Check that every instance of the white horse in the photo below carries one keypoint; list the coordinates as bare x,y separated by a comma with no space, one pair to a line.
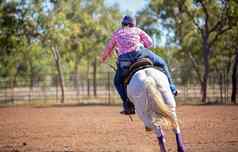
154,103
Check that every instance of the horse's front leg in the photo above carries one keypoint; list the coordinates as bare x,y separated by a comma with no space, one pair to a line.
161,139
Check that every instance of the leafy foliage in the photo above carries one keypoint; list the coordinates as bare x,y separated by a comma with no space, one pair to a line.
29,30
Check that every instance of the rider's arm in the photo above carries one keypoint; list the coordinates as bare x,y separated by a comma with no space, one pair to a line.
108,50
145,39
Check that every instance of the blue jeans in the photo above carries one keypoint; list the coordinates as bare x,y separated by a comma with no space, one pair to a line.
123,63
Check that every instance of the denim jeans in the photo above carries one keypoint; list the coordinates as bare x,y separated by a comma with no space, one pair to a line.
123,63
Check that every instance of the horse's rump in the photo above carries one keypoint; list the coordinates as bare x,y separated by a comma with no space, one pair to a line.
146,86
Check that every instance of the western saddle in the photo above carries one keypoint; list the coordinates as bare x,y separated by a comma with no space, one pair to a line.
136,66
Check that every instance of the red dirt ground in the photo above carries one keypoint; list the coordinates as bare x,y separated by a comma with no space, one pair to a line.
103,129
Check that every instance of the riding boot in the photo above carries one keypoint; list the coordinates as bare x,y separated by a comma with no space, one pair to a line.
162,143
129,108
179,141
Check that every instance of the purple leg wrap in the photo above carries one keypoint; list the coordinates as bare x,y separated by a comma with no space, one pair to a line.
179,142
162,143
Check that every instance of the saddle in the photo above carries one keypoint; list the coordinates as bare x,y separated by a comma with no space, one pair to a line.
136,66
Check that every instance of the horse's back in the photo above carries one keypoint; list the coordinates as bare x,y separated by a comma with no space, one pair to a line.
140,76
137,89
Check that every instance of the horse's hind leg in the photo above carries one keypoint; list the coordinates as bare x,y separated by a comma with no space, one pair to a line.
179,141
161,139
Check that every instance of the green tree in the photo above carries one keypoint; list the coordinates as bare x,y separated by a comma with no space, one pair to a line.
92,23
199,21
52,37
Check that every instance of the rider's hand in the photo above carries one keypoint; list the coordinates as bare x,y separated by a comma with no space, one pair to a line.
102,59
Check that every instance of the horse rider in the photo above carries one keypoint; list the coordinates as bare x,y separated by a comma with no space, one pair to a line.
132,43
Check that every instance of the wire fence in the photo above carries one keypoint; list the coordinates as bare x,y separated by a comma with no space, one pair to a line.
94,90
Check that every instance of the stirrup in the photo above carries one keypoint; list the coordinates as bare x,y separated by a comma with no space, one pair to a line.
129,112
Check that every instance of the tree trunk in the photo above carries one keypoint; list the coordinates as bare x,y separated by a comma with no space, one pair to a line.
31,81
56,54
13,85
76,78
95,77
221,86
109,87
206,53
88,77
234,79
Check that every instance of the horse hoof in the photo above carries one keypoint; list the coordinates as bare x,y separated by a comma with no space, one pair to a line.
148,129
181,149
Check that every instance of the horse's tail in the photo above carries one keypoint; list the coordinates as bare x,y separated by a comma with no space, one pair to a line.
164,114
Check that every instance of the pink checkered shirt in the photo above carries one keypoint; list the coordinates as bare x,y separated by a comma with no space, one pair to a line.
126,39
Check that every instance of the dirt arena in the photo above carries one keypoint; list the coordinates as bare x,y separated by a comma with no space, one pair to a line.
103,129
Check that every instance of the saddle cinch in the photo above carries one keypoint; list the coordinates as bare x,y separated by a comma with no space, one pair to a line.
136,66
